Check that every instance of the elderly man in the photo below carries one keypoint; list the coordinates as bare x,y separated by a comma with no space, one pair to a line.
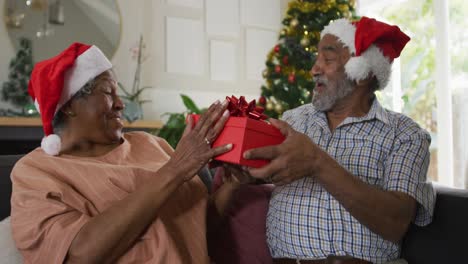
351,175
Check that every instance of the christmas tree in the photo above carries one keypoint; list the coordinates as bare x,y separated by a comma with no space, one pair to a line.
15,90
287,74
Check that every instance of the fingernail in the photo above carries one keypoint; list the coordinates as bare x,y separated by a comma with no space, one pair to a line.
246,155
217,102
226,113
225,102
229,146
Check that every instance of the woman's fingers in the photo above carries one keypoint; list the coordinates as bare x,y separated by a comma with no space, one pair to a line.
212,118
218,127
205,116
189,126
220,150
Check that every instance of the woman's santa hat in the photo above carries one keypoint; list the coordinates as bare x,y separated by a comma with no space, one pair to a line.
373,44
54,81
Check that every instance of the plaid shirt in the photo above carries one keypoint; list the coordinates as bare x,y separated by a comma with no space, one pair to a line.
383,148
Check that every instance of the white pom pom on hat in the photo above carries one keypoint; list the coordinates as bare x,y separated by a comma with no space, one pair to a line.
51,144
373,44
54,81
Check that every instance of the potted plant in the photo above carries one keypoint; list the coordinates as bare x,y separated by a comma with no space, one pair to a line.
133,104
174,127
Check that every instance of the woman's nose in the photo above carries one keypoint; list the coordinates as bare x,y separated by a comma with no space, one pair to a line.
118,103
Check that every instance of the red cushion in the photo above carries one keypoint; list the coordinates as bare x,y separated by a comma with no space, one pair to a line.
242,236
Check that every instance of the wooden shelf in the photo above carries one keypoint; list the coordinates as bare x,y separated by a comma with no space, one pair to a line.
20,135
36,122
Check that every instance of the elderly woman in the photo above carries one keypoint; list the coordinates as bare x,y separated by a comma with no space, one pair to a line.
92,194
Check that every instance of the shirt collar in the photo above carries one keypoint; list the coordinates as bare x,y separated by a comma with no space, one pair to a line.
376,112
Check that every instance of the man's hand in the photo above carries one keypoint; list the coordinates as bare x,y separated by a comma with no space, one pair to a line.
295,158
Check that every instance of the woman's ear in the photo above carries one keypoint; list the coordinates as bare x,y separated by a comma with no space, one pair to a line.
67,110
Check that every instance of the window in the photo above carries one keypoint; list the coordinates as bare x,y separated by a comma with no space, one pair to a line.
429,81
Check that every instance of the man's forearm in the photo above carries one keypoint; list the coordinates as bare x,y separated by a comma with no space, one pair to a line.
385,213
110,234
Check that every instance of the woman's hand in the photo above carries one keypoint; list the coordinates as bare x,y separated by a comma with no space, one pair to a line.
194,149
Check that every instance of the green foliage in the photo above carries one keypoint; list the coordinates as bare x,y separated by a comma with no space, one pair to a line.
458,36
416,18
174,128
288,81
15,90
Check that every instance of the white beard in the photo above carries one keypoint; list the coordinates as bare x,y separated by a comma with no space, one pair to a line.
333,92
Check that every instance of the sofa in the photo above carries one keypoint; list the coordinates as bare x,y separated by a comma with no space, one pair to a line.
445,240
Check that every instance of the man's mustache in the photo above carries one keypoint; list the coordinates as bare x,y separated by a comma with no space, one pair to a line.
320,80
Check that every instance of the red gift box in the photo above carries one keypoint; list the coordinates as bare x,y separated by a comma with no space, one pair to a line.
245,133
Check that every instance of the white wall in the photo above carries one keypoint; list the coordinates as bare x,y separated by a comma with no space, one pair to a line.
78,27
206,49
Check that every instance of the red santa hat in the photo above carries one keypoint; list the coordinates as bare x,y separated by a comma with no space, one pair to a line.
373,44
54,81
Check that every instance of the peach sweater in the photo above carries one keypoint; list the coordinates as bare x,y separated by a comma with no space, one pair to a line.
53,197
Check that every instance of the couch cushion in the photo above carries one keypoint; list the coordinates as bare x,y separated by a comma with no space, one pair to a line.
8,252
444,240
242,236
6,164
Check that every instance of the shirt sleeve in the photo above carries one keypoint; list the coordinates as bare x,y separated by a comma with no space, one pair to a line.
406,171
43,225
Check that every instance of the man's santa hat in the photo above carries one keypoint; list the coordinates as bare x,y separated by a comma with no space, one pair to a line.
373,44
54,81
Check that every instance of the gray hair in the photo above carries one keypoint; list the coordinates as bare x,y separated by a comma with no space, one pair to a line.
375,85
58,123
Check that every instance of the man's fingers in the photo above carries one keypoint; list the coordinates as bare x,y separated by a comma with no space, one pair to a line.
268,153
283,127
266,171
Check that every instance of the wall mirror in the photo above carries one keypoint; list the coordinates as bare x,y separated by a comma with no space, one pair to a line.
52,25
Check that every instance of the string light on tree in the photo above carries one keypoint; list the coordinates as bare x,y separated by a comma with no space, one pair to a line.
294,22
269,106
279,108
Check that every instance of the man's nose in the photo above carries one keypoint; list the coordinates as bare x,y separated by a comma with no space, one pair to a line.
316,69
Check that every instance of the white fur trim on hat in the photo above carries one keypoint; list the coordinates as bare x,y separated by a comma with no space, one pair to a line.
51,144
371,60
87,66
379,65
344,31
357,68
